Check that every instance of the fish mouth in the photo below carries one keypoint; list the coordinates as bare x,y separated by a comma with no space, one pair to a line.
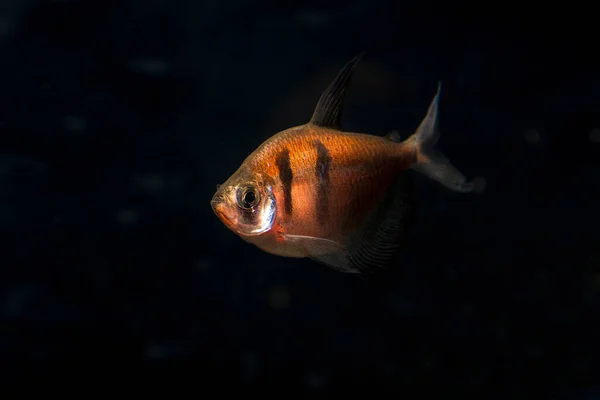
218,206
215,203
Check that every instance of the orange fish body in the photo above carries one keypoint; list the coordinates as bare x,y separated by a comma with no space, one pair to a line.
332,176
340,198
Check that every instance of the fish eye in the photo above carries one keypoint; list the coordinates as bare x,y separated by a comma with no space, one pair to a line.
248,197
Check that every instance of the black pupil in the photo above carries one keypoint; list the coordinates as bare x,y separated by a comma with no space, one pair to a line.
249,199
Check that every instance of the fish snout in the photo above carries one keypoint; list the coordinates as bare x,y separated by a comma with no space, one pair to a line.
217,202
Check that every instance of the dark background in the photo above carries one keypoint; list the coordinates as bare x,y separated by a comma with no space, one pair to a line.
118,118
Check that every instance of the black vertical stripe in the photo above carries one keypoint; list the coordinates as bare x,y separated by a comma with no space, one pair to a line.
286,175
322,174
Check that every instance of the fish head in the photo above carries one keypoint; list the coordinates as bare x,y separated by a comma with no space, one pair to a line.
245,203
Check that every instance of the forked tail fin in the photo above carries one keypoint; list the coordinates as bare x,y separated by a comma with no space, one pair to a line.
430,162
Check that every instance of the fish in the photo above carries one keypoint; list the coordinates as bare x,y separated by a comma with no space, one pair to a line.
342,199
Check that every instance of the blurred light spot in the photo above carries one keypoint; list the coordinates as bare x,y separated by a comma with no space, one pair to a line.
589,393
595,135
204,265
156,351
595,282
542,279
259,280
5,27
532,136
535,351
580,367
150,66
74,124
468,310
250,366
170,349
127,217
499,332
389,370
151,182
451,273
400,302
427,362
279,298
315,380
479,184
313,18
15,304
474,379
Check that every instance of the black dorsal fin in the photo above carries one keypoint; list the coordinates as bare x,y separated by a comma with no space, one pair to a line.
328,112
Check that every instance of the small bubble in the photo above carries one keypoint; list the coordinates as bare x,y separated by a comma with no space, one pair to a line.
595,135
74,124
279,298
532,136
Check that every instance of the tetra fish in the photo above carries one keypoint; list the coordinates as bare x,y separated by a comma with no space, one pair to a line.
340,198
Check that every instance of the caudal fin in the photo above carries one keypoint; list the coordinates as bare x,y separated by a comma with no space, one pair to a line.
431,162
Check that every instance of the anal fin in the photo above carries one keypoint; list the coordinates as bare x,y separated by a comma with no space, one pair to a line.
375,242
325,251
371,244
